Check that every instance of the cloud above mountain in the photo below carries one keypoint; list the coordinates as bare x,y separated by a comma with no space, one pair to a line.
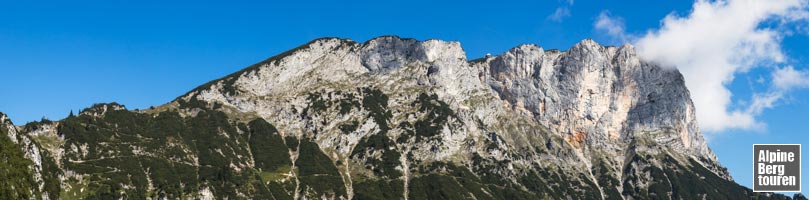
561,12
612,26
715,42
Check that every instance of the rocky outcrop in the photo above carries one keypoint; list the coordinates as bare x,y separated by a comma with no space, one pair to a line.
599,98
596,97
36,163
398,118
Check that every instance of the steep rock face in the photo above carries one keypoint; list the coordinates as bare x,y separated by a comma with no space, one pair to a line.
18,179
599,98
28,171
396,118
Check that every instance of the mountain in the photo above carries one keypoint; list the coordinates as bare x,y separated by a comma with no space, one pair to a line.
391,118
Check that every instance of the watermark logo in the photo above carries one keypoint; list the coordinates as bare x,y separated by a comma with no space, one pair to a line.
776,167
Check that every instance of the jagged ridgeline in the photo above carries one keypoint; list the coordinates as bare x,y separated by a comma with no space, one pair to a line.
390,118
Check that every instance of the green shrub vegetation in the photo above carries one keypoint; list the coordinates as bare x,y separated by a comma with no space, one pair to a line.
267,146
349,127
691,181
317,170
386,164
17,181
376,103
437,115
378,189
179,155
135,155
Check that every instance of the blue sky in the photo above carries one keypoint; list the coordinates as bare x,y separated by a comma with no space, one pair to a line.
56,56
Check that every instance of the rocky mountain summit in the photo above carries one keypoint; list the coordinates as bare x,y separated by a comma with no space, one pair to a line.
391,118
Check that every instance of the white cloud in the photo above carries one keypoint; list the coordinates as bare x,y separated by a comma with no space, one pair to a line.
787,77
716,41
612,26
559,14
784,79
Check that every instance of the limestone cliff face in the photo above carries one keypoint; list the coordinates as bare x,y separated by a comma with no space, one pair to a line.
396,118
599,98
596,97
25,168
604,104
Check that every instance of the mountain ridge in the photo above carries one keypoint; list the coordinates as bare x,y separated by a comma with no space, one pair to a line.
396,118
